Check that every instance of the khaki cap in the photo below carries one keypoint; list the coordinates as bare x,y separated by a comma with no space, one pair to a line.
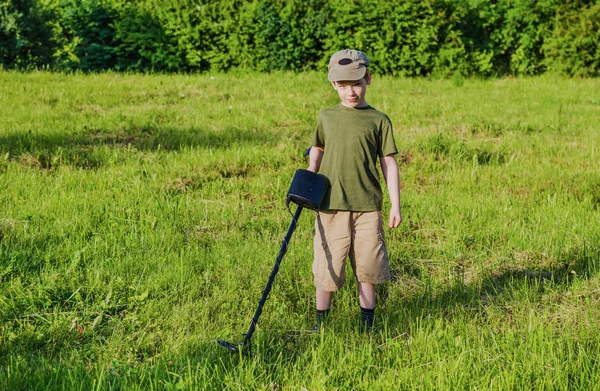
347,65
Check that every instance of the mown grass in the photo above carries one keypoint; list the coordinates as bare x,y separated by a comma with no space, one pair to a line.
140,217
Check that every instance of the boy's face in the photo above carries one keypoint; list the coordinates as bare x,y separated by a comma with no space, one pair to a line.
352,92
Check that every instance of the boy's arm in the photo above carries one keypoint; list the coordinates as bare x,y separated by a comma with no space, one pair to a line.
314,159
391,174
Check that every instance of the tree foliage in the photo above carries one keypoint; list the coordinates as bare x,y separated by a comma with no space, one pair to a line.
403,37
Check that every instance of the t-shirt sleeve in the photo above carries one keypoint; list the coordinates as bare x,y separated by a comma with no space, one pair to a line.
388,144
318,139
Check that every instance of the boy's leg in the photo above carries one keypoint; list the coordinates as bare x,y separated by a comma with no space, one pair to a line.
369,260
323,299
323,304
366,299
366,295
331,245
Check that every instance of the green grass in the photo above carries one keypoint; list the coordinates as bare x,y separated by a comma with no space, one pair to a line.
140,217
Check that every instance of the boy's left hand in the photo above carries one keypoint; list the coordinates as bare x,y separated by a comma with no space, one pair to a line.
395,218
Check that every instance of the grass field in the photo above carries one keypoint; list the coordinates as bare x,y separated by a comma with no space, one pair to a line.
140,217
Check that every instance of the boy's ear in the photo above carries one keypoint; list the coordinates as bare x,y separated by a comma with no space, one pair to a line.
368,77
334,85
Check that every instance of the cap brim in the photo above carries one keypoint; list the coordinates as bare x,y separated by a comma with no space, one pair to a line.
347,74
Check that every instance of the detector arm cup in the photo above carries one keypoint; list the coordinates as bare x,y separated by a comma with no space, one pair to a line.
308,189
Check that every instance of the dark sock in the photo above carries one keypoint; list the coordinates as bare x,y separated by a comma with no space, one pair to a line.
367,317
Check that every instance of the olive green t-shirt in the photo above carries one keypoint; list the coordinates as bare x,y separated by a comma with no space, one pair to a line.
353,140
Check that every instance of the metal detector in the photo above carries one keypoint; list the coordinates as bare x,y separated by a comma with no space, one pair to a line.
306,191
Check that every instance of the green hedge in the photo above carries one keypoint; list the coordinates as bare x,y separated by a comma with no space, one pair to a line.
403,37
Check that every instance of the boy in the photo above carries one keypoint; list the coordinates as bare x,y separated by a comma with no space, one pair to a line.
349,139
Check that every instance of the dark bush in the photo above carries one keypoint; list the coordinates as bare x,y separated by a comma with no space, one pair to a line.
26,37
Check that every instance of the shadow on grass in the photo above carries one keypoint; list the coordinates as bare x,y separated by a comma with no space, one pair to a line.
499,286
200,363
81,149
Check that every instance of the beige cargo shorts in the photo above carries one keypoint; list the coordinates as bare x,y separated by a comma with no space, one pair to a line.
345,234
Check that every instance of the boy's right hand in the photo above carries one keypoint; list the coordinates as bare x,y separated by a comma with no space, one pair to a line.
395,218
